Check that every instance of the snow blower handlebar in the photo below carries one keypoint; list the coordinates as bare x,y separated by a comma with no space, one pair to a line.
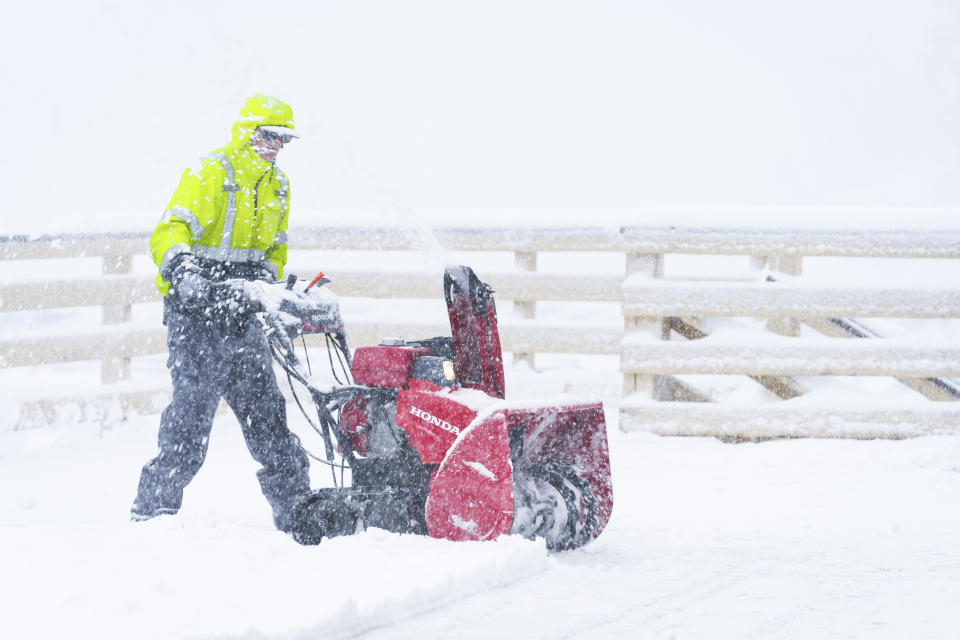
284,311
306,311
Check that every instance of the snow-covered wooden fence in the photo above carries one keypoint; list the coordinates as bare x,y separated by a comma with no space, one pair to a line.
117,290
657,310
116,341
654,309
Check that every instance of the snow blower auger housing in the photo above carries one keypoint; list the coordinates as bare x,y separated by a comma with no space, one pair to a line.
430,442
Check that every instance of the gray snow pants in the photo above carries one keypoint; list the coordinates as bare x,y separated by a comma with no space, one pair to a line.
210,359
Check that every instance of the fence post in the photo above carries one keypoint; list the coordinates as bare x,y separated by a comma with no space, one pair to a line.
526,309
791,266
651,265
113,367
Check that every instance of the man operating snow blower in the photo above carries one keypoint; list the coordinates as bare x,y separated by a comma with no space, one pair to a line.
423,427
227,220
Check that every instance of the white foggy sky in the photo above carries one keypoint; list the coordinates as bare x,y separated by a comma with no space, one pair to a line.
496,104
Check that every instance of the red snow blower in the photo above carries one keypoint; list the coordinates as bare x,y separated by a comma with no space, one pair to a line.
431,444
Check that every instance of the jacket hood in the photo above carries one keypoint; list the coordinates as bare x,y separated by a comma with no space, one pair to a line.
261,109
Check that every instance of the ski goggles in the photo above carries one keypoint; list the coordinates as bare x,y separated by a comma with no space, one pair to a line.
274,132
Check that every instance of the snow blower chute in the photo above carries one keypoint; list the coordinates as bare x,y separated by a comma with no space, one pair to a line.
431,444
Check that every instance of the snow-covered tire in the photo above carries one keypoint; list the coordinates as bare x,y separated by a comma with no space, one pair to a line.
580,506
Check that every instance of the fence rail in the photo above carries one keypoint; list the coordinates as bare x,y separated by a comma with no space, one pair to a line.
655,310
774,300
772,421
125,290
790,356
637,239
853,243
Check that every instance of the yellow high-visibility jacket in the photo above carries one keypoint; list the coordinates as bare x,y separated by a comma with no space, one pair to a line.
235,206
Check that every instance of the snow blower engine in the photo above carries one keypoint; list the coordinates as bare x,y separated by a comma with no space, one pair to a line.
424,432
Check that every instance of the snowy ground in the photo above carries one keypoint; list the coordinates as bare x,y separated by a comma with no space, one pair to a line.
786,539
796,539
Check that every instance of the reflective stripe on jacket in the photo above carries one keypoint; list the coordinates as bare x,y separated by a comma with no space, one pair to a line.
234,207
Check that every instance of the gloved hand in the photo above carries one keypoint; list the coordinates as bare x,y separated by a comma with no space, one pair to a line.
192,290
262,271
239,296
